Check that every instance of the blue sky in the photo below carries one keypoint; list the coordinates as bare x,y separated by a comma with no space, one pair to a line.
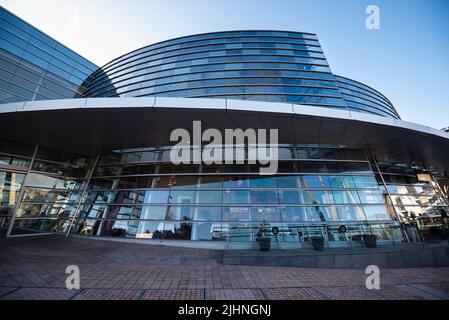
407,59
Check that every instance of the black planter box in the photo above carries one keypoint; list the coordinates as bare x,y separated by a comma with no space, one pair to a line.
370,240
264,244
318,243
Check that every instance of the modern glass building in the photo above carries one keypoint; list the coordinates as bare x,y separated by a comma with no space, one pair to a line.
94,159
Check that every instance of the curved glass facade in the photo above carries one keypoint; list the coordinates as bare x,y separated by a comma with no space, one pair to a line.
276,66
362,98
33,66
141,194
320,186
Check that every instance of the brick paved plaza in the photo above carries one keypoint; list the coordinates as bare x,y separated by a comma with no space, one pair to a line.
34,268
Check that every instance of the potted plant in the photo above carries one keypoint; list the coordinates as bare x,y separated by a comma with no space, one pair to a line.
317,242
444,232
369,239
262,238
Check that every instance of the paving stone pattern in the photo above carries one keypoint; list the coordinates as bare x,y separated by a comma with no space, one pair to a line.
34,268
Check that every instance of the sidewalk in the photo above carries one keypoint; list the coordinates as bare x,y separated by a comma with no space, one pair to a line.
34,268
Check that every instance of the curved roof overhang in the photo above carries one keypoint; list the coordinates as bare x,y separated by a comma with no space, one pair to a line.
90,125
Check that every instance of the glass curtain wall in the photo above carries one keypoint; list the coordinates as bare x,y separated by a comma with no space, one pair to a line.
418,199
140,194
40,190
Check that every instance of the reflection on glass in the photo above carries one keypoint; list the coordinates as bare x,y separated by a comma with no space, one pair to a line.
289,197
209,196
318,197
345,182
179,213
10,184
294,214
219,202
181,196
265,214
208,214
365,182
30,226
264,197
371,196
169,230
236,197
235,182
210,182
351,213
209,231
315,182
153,212
376,213
43,181
288,181
257,182
236,214
156,196
40,210
348,196
317,213
176,182
44,195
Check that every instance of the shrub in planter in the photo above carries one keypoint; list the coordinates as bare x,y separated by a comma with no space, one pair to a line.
262,238
318,243
369,239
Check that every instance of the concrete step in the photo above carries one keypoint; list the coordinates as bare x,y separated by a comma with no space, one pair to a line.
398,257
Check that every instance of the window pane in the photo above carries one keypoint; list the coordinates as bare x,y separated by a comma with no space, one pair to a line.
376,213
179,213
330,213
236,182
265,214
153,212
269,197
287,181
208,213
263,182
208,231
236,196
365,182
294,214
146,229
371,196
203,196
236,214
316,213
44,210
33,226
157,196
342,197
318,197
181,196
210,182
46,195
351,213
315,182
345,182
176,182
289,197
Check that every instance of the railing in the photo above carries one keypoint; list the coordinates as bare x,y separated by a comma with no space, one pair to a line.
299,236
